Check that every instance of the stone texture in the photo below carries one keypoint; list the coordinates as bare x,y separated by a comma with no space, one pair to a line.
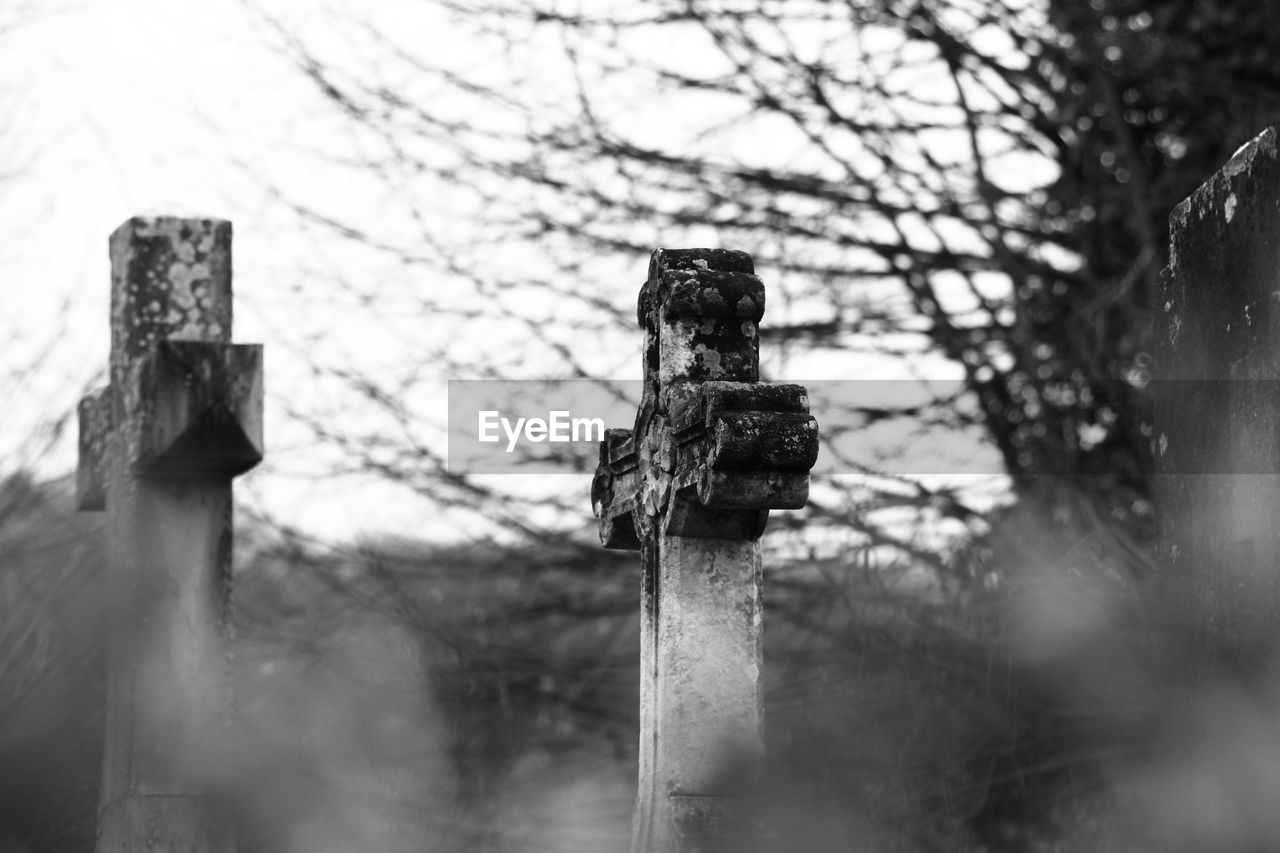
170,281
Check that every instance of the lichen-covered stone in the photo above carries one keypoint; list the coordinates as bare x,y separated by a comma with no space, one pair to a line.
711,293
171,280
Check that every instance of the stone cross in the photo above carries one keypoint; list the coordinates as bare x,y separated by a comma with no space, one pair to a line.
158,449
691,486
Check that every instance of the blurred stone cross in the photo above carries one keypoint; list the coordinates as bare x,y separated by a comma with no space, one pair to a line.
159,446
691,486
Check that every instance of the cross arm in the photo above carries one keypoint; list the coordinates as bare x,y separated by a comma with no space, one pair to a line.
201,413
94,416
745,445
735,450
616,491
198,414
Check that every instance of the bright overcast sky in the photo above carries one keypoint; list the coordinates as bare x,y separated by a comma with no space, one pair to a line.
117,107
110,108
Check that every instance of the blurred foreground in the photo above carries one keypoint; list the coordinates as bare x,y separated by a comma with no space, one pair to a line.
399,696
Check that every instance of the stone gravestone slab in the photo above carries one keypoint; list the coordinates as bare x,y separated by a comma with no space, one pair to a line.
691,485
1217,410
158,450
1217,457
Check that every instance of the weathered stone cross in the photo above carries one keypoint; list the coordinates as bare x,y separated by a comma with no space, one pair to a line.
713,450
158,450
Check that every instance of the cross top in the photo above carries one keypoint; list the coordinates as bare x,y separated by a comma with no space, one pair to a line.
182,401
713,449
